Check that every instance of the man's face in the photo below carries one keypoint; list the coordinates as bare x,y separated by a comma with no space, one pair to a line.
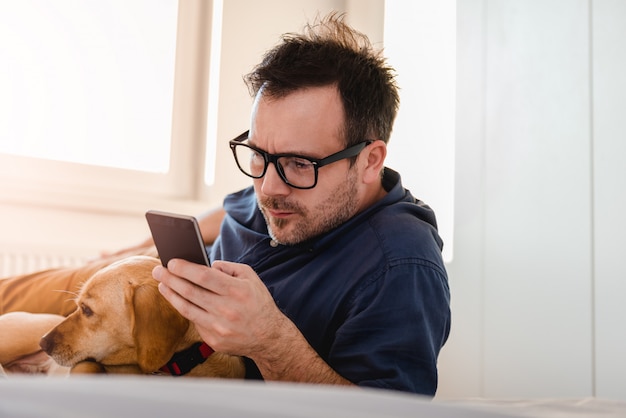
309,123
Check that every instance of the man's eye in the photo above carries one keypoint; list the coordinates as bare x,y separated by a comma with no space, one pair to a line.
300,164
303,164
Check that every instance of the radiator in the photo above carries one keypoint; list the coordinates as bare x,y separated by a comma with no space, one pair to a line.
12,264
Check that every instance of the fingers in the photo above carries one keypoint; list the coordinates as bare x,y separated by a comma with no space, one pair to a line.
184,281
234,269
185,296
196,274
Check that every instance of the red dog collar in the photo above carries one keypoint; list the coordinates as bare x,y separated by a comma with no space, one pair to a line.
182,362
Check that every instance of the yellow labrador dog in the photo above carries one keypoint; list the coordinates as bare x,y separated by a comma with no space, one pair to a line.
122,324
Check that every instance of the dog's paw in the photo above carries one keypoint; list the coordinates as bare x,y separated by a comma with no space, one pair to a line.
87,367
35,363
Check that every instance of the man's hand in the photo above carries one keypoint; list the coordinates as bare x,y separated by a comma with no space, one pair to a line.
230,306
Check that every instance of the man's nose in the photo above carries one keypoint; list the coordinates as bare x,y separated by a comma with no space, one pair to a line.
272,184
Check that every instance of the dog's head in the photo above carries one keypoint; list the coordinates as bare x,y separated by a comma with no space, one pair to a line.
121,319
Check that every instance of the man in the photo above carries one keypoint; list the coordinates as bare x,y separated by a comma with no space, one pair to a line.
333,271
326,270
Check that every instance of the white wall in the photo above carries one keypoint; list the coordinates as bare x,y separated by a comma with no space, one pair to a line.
536,279
422,50
609,199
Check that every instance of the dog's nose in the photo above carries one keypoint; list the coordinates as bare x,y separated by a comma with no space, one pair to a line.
46,343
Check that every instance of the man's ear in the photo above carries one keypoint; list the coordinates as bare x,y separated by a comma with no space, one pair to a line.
374,161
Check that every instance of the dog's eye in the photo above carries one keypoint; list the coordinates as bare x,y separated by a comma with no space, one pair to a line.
86,310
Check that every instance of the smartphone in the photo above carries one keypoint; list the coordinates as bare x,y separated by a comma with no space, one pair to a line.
177,236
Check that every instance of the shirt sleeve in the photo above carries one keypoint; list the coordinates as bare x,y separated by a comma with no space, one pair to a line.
395,329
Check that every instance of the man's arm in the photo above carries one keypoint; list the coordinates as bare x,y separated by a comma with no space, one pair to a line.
210,223
292,359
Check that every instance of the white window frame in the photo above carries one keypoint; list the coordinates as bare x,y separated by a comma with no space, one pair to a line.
43,182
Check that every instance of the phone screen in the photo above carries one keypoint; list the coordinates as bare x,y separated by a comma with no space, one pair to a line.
177,236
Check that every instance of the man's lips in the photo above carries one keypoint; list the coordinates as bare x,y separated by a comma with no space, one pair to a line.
275,213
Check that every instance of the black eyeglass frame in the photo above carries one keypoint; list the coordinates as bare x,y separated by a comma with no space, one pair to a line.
349,152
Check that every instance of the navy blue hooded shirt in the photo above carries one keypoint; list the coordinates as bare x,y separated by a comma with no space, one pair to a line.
371,296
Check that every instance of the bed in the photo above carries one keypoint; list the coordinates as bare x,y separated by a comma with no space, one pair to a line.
107,396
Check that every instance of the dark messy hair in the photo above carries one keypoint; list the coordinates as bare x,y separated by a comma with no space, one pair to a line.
329,52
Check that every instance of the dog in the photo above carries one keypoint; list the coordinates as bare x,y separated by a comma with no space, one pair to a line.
122,324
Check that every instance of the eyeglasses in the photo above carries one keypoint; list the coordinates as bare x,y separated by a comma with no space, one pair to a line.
297,171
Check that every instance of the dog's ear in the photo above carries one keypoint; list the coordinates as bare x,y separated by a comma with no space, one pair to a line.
157,327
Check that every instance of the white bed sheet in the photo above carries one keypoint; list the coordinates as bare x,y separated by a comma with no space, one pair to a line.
23,396
148,396
588,407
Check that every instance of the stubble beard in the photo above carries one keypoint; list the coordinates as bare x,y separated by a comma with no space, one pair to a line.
340,206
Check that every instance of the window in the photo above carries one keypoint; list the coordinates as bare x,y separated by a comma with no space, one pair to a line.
131,103
88,82
88,90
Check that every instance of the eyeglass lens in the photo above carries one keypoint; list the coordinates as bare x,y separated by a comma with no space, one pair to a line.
296,171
